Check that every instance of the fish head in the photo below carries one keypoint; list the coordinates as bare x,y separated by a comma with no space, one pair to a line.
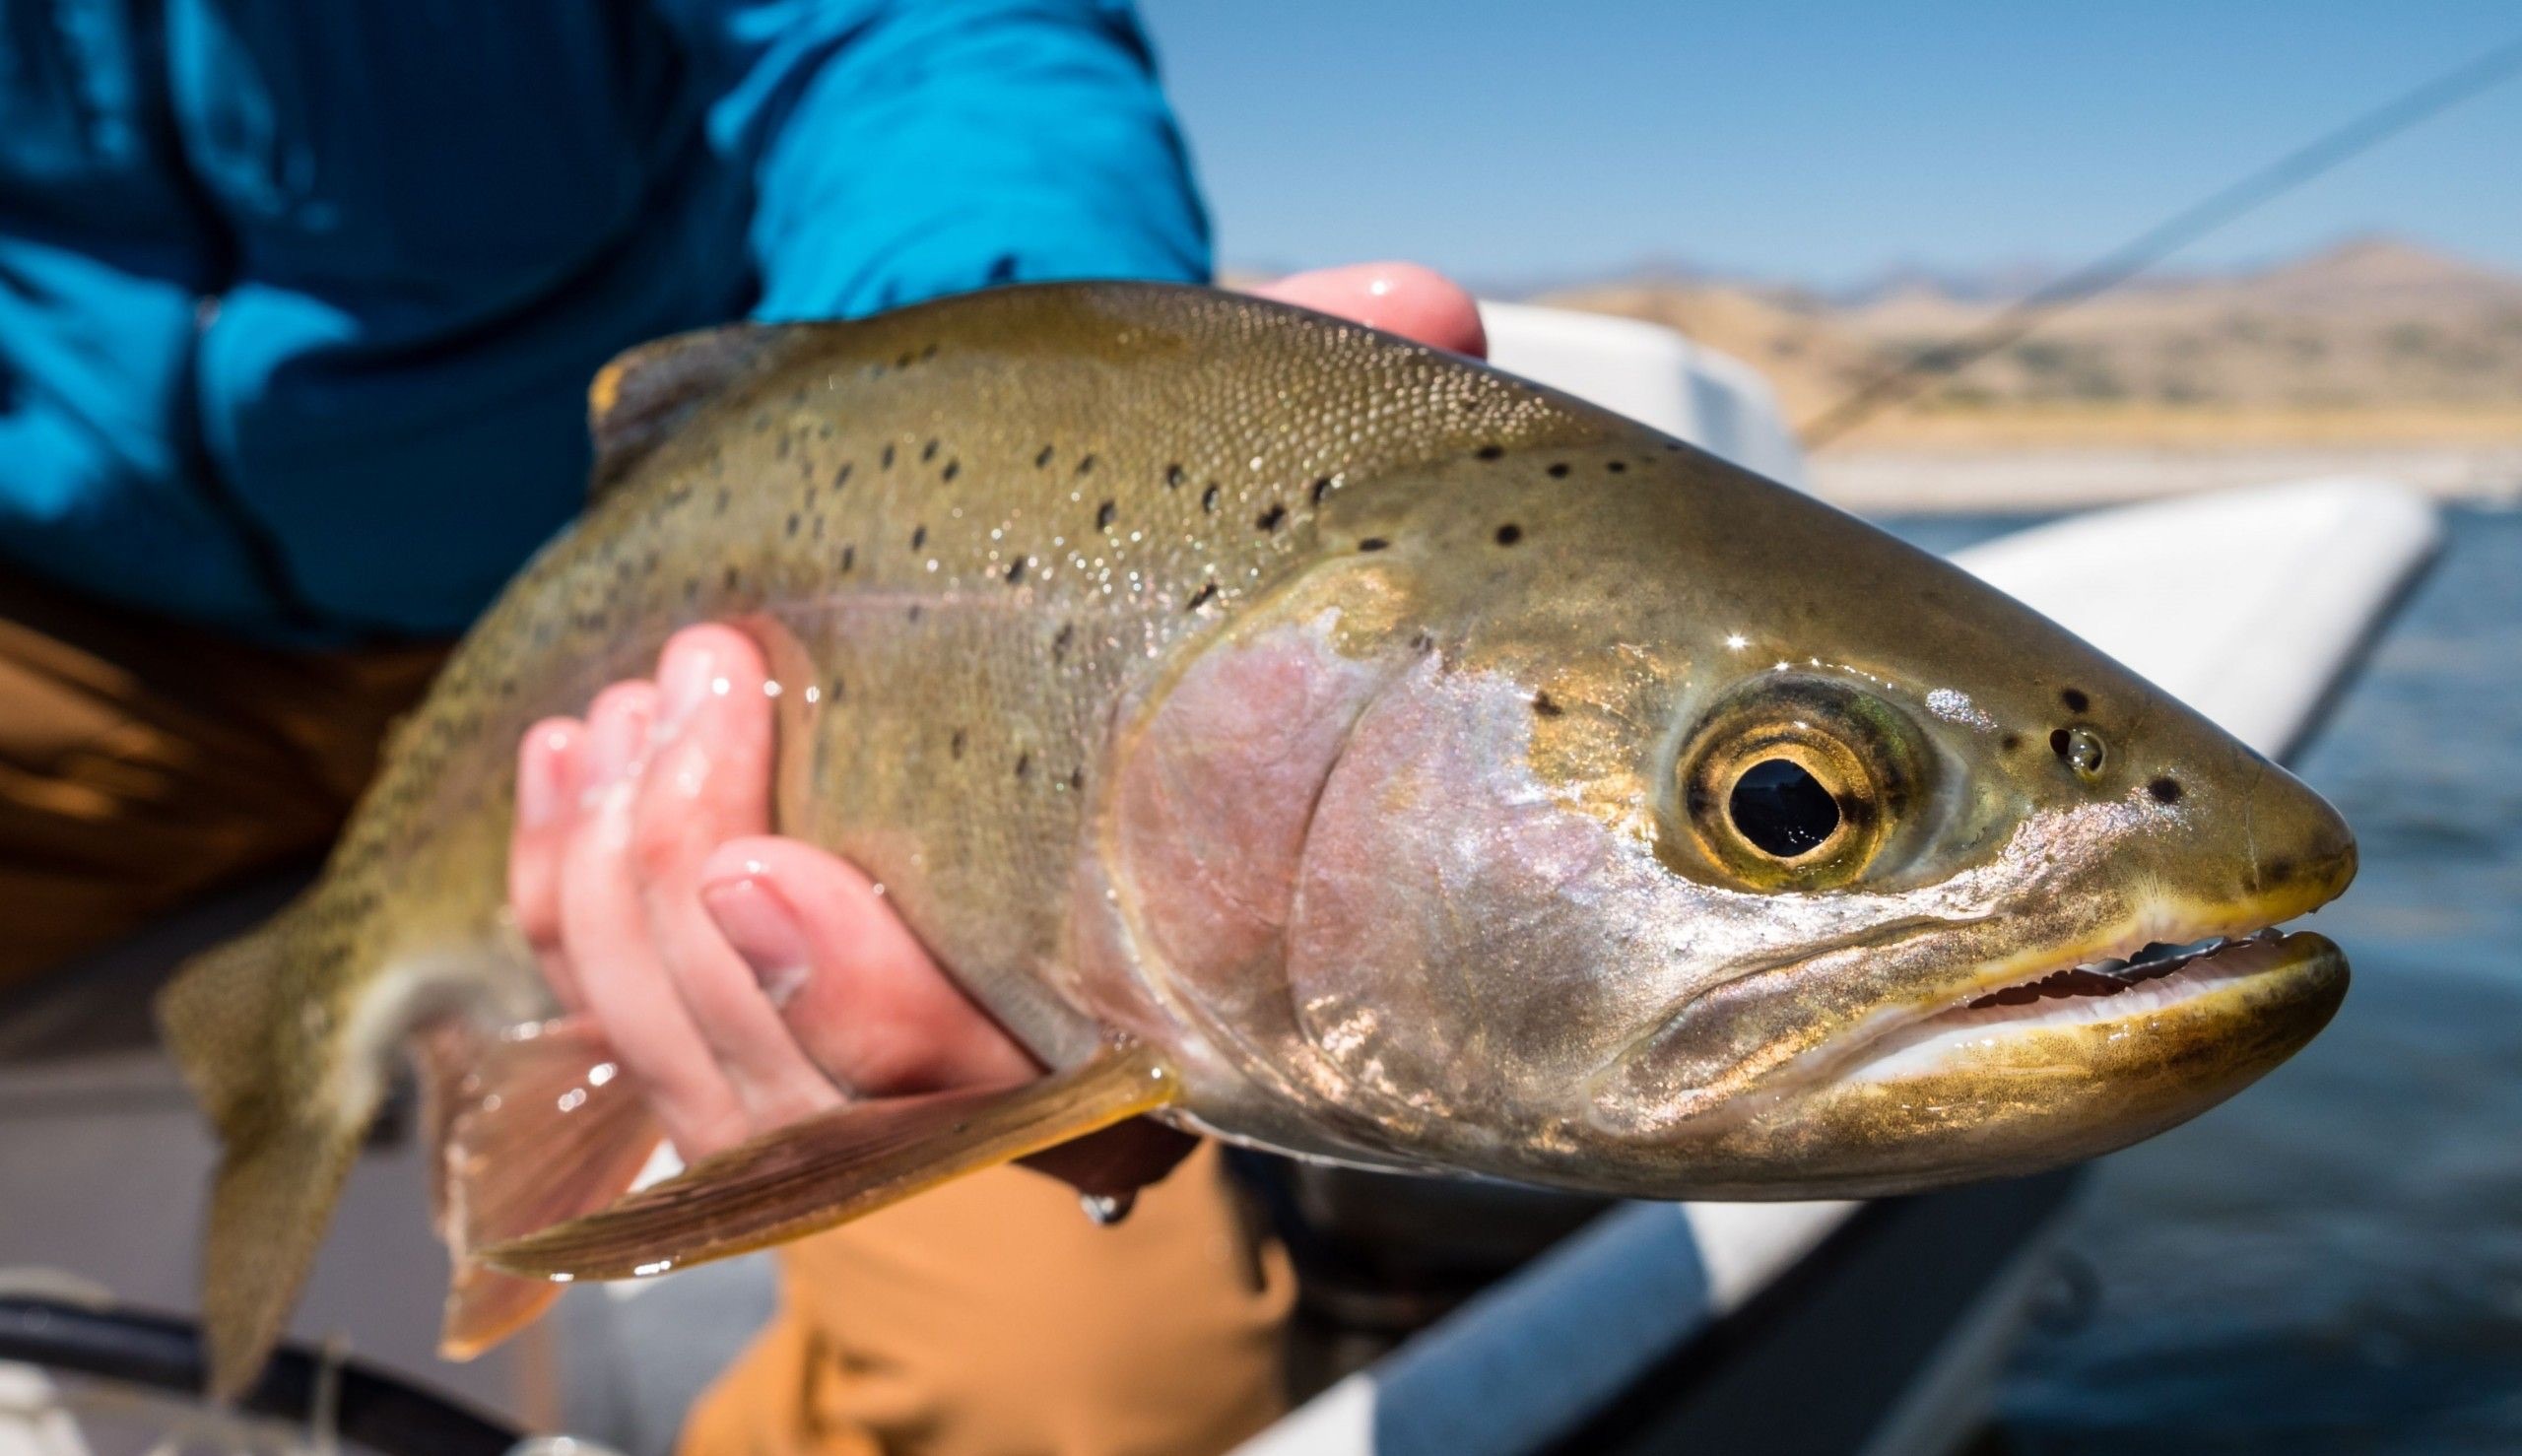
1702,840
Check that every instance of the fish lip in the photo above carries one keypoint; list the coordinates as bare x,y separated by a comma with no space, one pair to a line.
2198,967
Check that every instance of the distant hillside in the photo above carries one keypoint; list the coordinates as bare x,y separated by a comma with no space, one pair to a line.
2376,339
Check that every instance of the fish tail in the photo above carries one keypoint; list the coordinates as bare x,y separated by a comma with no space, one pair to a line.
288,1128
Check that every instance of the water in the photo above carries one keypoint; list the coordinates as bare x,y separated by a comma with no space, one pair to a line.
2333,1261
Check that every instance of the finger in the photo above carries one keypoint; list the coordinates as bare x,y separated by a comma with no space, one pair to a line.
710,782
604,931
855,987
1404,298
549,763
619,723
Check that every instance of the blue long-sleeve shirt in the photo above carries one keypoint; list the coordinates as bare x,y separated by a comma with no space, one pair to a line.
298,301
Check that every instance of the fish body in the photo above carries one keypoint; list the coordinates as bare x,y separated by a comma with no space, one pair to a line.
1414,767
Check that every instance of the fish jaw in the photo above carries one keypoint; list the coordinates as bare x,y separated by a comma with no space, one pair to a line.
1985,1088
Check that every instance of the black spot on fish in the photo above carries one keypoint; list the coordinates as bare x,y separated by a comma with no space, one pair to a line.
794,521
1373,542
1509,533
914,611
840,477
1201,598
903,362
781,451
1547,705
732,577
849,557
952,469
928,452
1060,642
1103,514
1085,464
833,692
1016,570
1559,470
2276,871
1044,458
954,744
1077,778
918,537
929,353
1422,639
2075,700
2009,742
1209,496
1321,488
1173,477
1615,466
1269,519
886,457
1023,765
1490,452
2166,791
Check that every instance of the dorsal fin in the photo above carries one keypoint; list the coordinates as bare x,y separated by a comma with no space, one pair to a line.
644,393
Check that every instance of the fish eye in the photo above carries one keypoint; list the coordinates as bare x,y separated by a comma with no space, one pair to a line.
1782,809
1793,783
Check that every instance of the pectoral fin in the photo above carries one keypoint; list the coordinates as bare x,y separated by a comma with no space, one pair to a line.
825,1170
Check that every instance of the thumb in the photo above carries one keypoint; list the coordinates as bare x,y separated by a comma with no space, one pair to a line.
875,1012
862,996
1405,299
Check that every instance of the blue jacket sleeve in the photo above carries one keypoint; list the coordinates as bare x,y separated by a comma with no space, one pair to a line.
903,149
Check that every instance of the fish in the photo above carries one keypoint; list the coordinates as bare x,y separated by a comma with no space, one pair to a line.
1305,738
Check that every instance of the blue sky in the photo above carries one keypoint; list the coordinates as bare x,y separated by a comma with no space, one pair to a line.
1817,140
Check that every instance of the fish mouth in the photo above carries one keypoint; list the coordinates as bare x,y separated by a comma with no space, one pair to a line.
2105,997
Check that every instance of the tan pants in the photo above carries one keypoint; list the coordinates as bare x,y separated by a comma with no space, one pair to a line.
142,763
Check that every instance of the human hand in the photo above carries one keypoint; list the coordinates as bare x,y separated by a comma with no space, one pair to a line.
745,979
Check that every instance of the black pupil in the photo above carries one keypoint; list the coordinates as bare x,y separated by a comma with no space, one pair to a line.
1782,809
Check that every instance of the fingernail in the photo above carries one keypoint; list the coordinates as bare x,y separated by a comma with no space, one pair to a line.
761,928
691,676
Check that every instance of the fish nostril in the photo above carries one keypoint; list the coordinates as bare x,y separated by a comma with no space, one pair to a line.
2081,750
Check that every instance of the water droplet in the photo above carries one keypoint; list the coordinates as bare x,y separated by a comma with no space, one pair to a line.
1104,1210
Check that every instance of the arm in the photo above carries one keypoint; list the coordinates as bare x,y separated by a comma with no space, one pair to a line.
903,149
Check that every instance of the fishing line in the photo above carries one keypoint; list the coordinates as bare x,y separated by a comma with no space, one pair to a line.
1902,382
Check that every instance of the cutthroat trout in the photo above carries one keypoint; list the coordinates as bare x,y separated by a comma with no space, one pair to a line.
1308,738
